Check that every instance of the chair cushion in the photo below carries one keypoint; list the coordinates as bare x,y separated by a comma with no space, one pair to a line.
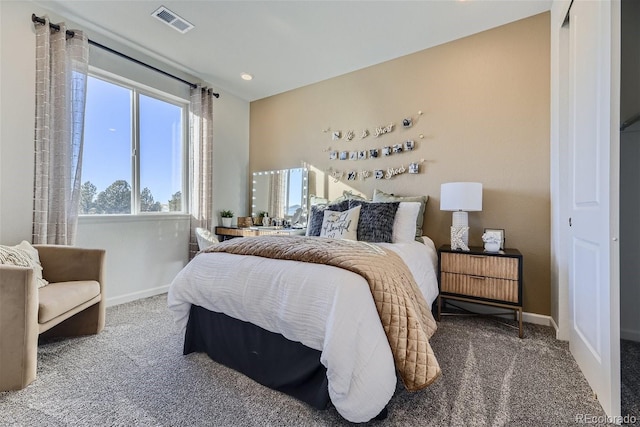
58,298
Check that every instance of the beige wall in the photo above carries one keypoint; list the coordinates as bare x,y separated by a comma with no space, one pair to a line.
486,107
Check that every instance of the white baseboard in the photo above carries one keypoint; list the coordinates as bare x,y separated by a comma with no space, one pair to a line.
630,334
136,295
538,319
555,327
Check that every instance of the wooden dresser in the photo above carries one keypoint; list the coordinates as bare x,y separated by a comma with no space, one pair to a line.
230,232
480,277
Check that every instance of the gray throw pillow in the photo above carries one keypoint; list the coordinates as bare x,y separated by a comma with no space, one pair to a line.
381,196
316,216
376,220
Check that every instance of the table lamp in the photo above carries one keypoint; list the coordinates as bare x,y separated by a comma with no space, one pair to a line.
460,198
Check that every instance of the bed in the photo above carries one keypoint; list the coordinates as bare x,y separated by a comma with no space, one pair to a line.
308,329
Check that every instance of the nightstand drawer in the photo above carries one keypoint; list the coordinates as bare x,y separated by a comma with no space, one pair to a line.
480,265
479,286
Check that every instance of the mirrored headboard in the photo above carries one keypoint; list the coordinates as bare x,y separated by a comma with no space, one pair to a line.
281,193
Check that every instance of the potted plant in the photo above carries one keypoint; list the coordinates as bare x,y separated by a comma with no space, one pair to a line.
227,216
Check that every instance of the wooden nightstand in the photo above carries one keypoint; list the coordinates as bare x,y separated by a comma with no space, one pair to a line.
480,277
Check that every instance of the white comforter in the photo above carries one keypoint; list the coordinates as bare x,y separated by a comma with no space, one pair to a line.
325,308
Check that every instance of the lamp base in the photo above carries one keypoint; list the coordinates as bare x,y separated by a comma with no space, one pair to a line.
460,219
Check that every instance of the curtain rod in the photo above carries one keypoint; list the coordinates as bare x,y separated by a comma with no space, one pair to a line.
70,33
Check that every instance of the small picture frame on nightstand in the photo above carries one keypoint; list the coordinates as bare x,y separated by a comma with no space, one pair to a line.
499,231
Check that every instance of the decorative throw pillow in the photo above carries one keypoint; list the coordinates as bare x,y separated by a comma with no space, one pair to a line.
348,195
404,224
381,196
23,255
376,220
341,225
316,216
315,200
205,238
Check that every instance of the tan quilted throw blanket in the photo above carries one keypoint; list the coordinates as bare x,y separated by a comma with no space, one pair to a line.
405,316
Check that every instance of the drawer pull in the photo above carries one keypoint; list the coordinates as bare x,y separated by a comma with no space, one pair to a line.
478,277
477,256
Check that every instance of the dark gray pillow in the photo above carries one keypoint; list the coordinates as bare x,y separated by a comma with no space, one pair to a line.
376,220
316,216
381,196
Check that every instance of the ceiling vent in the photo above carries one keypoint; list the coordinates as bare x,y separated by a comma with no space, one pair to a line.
172,19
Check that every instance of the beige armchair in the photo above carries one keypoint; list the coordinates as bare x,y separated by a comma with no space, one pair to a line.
71,304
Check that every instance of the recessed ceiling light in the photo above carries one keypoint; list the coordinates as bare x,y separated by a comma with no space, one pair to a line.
246,76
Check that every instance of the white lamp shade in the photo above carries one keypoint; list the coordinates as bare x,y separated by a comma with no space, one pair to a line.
461,196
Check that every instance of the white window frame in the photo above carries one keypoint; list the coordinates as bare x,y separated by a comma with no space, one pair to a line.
137,90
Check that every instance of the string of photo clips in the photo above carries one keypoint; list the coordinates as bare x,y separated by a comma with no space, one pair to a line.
372,153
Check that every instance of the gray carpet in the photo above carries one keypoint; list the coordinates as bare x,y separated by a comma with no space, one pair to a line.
134,373
630,377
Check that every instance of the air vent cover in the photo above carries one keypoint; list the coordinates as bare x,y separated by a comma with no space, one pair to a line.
172,19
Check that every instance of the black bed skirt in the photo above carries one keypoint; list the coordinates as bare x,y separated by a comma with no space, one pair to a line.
267,357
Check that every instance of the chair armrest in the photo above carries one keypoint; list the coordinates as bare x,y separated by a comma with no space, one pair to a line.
18,326
68,263
17,285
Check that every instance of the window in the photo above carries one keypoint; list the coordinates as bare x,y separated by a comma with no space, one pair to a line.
134,150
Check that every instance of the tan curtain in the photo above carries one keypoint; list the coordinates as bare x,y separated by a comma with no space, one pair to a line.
61,82
201,163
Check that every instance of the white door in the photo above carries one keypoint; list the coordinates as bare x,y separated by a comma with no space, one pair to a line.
593,282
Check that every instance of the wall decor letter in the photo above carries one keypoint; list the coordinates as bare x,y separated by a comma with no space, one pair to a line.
456,238
349,135
391,172
383,129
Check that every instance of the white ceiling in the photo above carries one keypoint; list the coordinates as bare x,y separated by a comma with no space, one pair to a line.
289,44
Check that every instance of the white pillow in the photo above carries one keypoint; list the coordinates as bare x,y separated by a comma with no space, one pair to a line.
404,224
23,255
341,225
205,238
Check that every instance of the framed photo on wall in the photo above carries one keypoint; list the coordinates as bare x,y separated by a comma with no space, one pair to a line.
498,231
